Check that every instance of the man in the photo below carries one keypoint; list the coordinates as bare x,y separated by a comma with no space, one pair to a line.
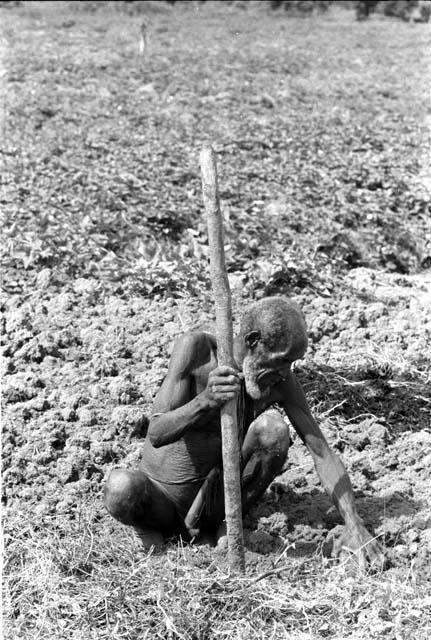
178,488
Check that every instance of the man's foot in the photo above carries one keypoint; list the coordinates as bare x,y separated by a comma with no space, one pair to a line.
149,537
221,537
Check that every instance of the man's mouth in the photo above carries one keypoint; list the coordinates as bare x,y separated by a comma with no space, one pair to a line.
265,378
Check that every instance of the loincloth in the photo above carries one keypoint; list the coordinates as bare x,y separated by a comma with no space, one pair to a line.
181,494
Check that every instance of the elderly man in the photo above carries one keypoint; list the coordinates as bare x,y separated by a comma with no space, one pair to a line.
178,487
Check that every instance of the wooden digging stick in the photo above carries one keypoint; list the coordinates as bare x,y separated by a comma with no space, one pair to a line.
224,334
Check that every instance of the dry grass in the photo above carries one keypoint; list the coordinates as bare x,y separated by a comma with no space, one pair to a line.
94,581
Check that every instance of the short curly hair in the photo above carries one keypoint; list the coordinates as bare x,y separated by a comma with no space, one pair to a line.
279,321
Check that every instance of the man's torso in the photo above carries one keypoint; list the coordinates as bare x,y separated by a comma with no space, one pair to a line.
191,457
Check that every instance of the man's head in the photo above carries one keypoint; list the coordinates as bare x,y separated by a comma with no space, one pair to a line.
274,333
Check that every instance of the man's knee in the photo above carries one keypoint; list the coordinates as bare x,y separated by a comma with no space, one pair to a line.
270,433
120,494
264,454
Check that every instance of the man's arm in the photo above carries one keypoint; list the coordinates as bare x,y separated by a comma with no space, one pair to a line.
175,410
330,470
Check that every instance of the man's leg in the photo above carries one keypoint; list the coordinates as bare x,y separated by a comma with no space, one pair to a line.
264,453
133,499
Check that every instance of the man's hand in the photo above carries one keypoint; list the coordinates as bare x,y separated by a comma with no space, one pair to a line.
357,542
223,385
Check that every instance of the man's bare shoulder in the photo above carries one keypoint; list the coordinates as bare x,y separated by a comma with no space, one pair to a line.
193,349
196,340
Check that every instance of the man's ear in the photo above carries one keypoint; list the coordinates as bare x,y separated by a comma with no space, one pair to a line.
251,339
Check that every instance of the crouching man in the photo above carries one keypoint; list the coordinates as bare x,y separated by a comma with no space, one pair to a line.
178,487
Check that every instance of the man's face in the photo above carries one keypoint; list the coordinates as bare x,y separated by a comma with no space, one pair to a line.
264,369
274,336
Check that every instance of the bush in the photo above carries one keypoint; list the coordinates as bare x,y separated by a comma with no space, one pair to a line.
301,7
416,10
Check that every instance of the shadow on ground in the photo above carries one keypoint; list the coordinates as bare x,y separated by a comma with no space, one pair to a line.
401,400
306,519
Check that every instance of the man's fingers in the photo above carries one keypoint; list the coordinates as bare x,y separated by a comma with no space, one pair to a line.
368,556
222,384
376,557
338,547
221,380
230,388
225,370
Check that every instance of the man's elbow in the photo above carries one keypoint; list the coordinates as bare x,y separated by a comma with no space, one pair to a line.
155,434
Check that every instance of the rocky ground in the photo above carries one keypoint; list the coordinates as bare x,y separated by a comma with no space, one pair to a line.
80,373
